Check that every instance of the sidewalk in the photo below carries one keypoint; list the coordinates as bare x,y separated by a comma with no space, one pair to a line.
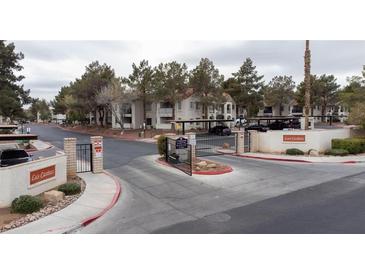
351,159
101,193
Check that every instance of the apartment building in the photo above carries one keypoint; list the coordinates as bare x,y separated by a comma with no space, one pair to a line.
293,109
159,115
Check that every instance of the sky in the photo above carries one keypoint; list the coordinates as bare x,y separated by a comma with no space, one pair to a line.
49,65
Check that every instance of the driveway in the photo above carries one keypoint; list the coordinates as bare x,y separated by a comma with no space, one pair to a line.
258,197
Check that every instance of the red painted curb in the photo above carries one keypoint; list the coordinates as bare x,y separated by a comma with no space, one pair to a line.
273,159
350,162
91,219
210,172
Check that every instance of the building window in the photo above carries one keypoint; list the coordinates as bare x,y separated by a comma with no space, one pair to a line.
148,107
179,105
191,105
268,110
197,106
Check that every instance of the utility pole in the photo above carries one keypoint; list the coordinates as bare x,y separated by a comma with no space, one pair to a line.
307,84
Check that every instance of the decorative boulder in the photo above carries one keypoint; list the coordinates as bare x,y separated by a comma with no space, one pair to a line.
53,196
226,146
202,164
212,165
313,152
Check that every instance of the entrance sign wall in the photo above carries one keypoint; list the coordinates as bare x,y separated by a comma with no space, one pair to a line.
32,178
278,141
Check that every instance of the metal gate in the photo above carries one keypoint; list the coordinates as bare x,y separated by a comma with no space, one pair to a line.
247,144
210,145
83,158
179,158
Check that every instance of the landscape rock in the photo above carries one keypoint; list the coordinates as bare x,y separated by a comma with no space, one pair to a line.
226,146
54,196
313,152
202,164
212,165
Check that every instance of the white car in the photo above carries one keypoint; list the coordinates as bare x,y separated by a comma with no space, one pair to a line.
243,122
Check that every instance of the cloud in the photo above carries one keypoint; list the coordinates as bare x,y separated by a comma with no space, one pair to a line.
48,65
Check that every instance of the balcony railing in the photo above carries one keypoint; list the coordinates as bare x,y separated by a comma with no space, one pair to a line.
165,112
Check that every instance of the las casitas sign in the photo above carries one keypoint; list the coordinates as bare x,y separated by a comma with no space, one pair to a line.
43,174
294,138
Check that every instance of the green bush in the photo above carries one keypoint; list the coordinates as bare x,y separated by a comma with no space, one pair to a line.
70,188
337,152
294,151
26,204
352,145
161,145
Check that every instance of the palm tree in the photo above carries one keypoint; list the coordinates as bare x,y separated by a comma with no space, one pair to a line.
307,83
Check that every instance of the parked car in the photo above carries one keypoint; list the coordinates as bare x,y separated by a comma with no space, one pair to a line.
295,123
260,128
221,130
243,122
10,157
277,125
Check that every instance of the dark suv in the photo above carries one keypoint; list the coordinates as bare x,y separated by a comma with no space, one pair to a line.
10,157
221,129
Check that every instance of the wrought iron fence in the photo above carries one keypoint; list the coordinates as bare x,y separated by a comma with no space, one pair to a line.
210,145
180,158
83,158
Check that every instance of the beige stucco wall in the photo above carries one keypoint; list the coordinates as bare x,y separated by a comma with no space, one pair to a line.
318,139
15,180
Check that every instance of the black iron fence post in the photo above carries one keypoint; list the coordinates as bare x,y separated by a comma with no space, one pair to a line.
166,150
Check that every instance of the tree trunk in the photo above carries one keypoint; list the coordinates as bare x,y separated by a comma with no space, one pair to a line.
144,112
280,112
324,107
173,116
307,56
101,116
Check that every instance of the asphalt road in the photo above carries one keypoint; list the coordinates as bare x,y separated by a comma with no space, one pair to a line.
258,197
116,152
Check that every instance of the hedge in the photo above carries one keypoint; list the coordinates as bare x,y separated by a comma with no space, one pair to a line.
294,151
70,188
337,152
26,204
352,145
161,145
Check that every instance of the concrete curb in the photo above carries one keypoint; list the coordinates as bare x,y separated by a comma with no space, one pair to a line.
294,160
271,159
208,172
116,196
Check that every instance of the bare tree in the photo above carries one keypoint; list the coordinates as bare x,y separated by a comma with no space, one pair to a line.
112,97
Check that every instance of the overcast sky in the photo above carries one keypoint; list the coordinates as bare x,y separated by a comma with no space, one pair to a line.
48,65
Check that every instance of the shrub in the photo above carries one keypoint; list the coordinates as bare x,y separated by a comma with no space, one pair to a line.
161,145
352,145
357,115
70,188
337,152
26,204
294,151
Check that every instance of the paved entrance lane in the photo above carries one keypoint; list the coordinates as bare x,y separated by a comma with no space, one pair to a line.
116,152
163,200
333,207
